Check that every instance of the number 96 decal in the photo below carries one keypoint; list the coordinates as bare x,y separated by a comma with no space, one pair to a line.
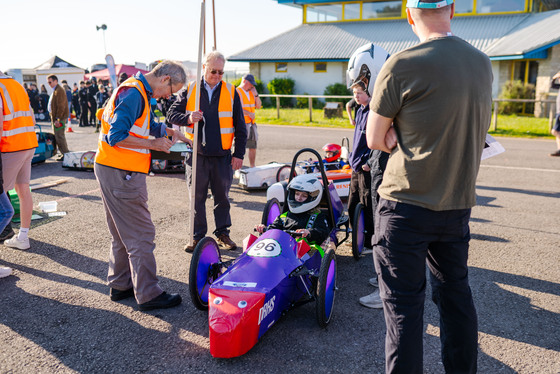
265,248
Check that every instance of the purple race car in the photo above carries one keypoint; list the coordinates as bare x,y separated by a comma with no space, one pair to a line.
277,272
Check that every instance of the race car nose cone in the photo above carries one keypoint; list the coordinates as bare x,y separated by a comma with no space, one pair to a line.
233,318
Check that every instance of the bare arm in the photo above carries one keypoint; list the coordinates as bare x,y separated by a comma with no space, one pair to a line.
379,133
178,135
258,102
158,144
349,111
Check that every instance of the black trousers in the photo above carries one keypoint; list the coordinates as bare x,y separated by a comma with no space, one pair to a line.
92,110
217,173
84,114
360,192
407,237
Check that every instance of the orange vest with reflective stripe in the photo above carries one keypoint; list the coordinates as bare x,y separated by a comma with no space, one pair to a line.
225,112
130,159
18,132
248,103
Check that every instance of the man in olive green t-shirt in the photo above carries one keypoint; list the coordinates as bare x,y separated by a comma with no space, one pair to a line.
431,109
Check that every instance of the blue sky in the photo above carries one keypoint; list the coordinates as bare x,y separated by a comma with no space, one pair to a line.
137,30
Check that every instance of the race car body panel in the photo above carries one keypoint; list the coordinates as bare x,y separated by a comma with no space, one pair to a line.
254,292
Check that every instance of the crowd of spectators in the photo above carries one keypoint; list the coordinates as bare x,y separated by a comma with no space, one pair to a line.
83,100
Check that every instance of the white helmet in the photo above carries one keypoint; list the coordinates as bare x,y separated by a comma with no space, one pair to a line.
307,183
364,65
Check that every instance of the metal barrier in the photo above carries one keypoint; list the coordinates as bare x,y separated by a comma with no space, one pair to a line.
310,100
495,103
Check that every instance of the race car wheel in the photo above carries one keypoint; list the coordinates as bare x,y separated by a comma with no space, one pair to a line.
204,270
271,211
326,288
283,173
358,235
87,160
159,165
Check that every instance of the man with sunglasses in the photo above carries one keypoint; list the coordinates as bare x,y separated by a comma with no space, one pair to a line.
121,165
220,120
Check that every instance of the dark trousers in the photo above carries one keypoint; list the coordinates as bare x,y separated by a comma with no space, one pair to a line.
217,173
406,238
360,192
84,114
92,110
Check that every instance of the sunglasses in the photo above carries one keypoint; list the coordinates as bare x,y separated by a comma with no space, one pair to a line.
219,72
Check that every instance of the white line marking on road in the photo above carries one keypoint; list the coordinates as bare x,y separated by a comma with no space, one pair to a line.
518,168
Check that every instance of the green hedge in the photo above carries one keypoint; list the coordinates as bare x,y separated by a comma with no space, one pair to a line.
282,86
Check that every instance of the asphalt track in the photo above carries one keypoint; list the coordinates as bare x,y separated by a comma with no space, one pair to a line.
56,316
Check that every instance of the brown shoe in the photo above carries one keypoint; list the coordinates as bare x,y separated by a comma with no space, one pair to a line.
190,248
225,241
555,154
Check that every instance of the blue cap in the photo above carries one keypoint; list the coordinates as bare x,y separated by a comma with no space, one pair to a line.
423,5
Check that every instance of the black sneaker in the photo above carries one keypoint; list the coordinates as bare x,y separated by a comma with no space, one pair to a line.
555,154
7,233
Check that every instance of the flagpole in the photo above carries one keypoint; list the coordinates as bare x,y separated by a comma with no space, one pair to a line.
195,125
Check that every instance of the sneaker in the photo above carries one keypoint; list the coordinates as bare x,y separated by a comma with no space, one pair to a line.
7,233
225,241
372,300
373,282
4,272
69,130
17,243
190,248
555,154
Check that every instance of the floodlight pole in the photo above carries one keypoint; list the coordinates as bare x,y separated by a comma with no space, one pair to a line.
103,27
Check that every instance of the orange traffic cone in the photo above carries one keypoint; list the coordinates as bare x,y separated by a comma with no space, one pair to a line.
69,130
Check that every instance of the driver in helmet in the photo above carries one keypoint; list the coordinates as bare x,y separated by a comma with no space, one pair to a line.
304,216
332,160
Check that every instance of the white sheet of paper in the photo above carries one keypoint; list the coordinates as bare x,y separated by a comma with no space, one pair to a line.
491,148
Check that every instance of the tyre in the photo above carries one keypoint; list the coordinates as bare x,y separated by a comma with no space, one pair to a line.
204,270
358,235
283,173
271,211
159,165
87,160
326,289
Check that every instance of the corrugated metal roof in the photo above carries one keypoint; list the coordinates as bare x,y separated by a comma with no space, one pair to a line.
537,31
496,35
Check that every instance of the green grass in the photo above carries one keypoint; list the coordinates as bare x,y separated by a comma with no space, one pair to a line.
521,126
514,126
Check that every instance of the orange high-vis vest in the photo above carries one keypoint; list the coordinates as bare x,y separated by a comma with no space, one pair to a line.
18,131
130,159
248,103
225,112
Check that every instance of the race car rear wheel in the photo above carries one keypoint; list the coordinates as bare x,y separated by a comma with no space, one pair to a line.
283,173
204,270
271,210
358,235
87,160
326,288
159,165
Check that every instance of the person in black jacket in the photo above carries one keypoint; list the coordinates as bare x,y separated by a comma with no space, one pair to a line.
84,107
92,104
76,102
215,159
304,195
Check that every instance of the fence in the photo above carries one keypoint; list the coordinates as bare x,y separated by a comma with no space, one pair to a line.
495,103
343,99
